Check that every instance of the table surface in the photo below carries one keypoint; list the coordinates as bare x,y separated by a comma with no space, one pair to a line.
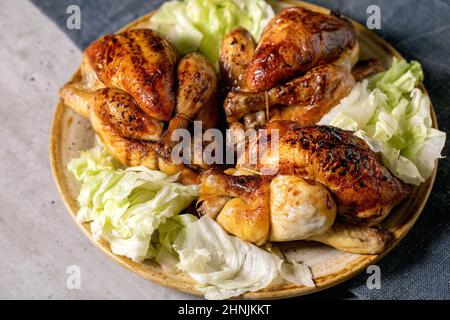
38,238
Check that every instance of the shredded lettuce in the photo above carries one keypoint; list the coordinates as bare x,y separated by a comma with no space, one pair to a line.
193,25
394,117
126,206
225,266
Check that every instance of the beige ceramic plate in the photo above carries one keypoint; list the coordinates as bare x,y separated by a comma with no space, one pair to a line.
70,134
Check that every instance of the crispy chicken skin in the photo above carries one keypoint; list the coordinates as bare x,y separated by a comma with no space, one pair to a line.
129,86
196,98
364,190
247,212
111,126
129,134
282,208
123,116
141,63
295,41
305,99
236,53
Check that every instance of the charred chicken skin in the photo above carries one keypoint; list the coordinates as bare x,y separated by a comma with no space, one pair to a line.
136,92
364,190
141,63
236,53
278,208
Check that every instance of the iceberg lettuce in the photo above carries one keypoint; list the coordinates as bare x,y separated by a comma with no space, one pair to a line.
126,206
394,117
193,25
225,266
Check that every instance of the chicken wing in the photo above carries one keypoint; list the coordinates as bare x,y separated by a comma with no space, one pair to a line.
365,191
295,41
141,63
305,99
355,239
77,94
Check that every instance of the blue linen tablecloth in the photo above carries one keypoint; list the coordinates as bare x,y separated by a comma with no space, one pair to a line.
419,268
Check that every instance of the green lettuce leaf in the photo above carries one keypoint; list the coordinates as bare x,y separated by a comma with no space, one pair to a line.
193,25
126,206
394,118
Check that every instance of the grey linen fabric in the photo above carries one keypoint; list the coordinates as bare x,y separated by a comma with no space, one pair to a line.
419,268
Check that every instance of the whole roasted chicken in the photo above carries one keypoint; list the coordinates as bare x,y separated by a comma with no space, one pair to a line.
299,71
311,174
136,92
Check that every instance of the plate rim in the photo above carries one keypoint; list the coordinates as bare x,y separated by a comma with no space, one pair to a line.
188,287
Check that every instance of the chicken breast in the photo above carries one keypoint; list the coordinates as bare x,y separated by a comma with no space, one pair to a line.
141,63
364,190
299,208
295,41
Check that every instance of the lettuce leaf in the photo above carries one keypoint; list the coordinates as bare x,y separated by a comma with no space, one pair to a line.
193,25
126,206
394,118
225,266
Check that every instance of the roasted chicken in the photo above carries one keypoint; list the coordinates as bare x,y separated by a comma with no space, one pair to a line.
365,191
277,208
129,87
305,99
141,63
236,53
295,41
272,84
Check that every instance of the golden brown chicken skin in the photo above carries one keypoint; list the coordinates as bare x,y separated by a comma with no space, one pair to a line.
121,124
236,53
295,41
242,203
126,87
305,99
282,208
141,63
364,190
196,99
